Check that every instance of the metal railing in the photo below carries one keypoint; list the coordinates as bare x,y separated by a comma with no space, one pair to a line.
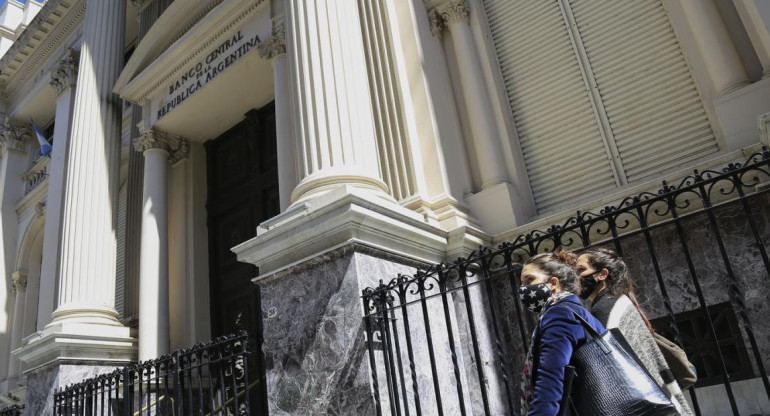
207,379
12,410
451,339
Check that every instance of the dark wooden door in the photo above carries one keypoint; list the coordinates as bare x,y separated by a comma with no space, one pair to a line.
242,192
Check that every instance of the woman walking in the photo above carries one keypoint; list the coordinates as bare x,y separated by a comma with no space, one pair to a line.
549,285
606,285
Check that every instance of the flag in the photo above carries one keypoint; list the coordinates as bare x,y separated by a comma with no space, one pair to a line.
45,145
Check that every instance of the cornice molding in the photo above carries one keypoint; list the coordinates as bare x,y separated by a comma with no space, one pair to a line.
67,15
64,75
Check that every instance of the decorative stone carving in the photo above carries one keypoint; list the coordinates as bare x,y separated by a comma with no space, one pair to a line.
437,27
456,11
65,73
177,148
40,209
180,149
18,281
151,139
275,45
763,122
13,137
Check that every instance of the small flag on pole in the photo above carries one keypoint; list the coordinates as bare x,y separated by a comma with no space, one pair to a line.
45,145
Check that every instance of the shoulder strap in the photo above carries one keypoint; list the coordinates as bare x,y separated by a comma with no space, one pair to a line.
593,333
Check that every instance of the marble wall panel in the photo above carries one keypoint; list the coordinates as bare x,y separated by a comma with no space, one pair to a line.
42,384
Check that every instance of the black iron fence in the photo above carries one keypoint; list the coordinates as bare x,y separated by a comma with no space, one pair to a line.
451,339
12,410
207,379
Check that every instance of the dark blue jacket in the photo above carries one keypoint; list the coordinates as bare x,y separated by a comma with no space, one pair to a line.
560,332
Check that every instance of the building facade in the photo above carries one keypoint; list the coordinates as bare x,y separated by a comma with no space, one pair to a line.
225,165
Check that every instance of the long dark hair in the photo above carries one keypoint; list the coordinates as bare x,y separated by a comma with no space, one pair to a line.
618,279
559,264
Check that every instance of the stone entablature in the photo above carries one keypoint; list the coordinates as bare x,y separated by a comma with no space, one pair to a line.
44,36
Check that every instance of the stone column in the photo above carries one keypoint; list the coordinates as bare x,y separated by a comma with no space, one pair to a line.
19,290
89,220
13,148
719,55
63,78
755,15
455,18
274,49
156,147
333,111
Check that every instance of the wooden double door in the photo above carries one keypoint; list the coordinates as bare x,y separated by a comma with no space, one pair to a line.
242,192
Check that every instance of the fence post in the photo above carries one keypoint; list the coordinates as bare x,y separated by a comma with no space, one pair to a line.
177,396
128,398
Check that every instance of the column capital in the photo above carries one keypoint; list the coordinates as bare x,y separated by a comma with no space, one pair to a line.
64,75
456,11
275,45
13,137
18,281
763,122
152,138
176,147
437,26
40,209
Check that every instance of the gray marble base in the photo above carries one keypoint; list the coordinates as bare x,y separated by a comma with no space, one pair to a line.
314,338
42,384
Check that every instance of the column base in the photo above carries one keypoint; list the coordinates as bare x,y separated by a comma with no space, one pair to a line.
77,343
497,207
737,112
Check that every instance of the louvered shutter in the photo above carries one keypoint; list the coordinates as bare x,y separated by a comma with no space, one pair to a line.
656,114
563,149
121,253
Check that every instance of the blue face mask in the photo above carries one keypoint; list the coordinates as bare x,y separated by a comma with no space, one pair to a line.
533,297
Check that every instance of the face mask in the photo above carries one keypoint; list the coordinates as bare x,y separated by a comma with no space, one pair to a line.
588,284
533,297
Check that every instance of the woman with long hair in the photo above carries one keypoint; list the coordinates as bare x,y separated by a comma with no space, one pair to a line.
548,288
606,285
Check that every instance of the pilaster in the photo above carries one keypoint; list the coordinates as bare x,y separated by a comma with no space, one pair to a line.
719,54
274,49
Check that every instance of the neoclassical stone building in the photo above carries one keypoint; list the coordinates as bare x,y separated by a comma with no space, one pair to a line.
255,164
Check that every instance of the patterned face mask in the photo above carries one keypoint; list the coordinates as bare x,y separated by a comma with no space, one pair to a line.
533,297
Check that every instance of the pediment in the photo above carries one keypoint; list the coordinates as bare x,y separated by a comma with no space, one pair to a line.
185,30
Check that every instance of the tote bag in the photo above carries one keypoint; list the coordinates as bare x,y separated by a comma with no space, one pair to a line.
607,378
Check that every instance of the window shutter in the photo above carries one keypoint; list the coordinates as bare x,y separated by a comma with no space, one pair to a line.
655,111
121,253
555,119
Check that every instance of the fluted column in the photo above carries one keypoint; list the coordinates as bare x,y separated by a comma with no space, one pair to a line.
274,48
157,148
13,147
63,80
19,290
719,54
333,118
89,220
455,19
